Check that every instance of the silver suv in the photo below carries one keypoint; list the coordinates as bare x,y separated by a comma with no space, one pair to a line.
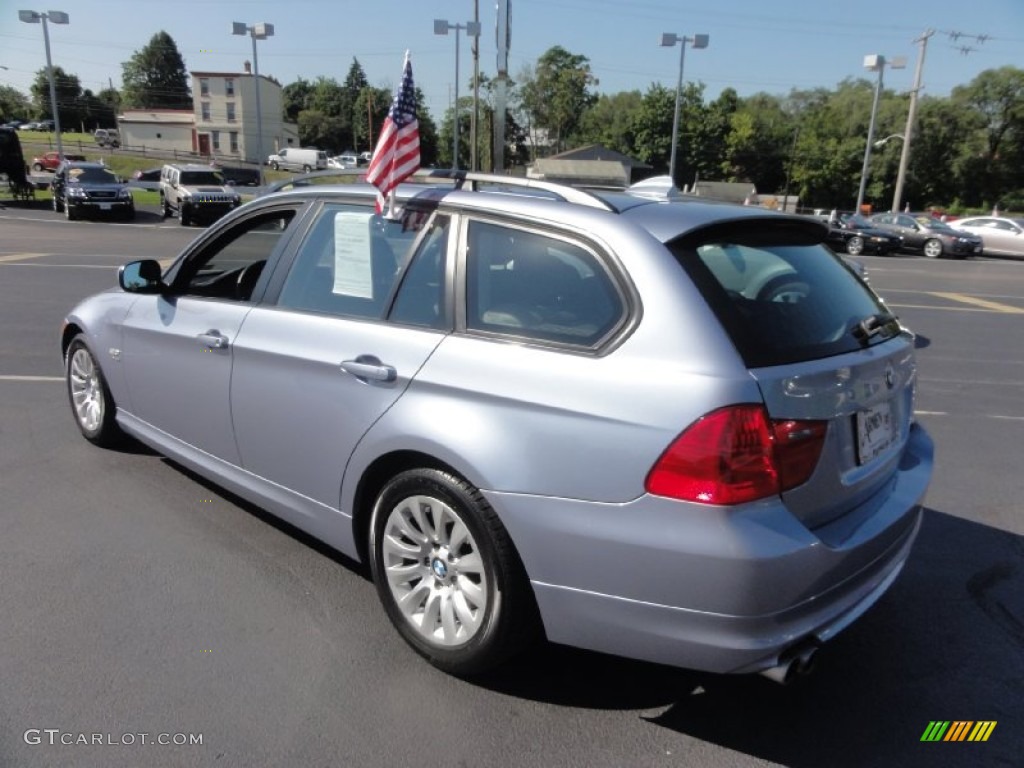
629,421
195,193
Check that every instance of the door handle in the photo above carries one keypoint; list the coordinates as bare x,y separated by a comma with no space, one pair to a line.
213,339
369,368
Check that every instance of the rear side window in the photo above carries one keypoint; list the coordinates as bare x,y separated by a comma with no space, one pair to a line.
533,286
780,303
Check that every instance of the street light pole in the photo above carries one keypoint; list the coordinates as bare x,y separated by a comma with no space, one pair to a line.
259,31
57,17
874,63
441,27
669,39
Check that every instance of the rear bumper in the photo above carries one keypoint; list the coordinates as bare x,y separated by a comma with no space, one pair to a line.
706,588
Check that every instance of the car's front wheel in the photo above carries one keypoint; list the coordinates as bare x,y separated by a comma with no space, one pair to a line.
933,248
275,166
57,207
69,212
447,572
165,209
37,167
89,396
855,245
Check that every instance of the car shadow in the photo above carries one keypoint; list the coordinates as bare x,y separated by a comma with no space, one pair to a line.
945,643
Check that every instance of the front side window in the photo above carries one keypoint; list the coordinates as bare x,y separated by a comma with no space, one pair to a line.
229,267
348,263
530,285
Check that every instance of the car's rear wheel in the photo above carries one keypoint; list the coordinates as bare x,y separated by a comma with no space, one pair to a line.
855,245
447,572
933,248
89,396
306,169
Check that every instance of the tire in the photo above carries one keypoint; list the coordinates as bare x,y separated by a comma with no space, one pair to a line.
784,290
306,169
447,573
57,207
165,209
89,396
37,167
183,217
69,213
275,166
855,245
932,248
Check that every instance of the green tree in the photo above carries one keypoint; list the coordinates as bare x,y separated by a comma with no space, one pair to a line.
155,77
13,104
69,94
556,93
351,90
296,97
610,121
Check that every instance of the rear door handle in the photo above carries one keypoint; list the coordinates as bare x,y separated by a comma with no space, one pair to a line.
213,339
370,368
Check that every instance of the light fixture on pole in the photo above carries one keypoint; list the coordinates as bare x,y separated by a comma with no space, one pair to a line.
669,39
57,17
882,142
874,63
259,31
441,27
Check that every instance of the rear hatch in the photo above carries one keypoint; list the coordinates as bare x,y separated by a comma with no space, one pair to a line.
821,346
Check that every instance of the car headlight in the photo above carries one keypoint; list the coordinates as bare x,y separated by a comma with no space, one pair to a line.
76,192
125,194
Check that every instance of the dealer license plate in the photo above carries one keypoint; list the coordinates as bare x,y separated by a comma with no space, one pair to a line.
104,206
876,431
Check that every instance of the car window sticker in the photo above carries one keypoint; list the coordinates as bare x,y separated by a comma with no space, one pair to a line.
353,275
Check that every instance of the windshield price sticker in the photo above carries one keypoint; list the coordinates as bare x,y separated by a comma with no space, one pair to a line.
875,432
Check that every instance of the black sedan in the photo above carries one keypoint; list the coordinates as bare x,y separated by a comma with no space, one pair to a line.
855,234
935,239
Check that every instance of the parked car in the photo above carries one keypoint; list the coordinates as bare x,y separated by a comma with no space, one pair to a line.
342,162
195,193
855,235
924,233
42,125
672,430
83,189
1001,236
241,177
50,161
107,137
296,159
147,179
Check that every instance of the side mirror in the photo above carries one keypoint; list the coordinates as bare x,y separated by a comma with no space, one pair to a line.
141,277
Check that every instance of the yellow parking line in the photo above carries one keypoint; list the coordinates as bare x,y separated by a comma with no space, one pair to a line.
993,305
21,256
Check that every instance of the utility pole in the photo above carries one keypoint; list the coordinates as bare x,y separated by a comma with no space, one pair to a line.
504,40
911,114
476,91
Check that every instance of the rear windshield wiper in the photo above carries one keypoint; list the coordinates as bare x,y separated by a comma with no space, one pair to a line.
872,325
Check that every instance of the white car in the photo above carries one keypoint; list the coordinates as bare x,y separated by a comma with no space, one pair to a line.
1002,236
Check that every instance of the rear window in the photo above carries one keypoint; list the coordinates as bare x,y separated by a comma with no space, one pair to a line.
780,302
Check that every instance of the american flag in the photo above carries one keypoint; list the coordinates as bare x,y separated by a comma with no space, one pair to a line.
397,155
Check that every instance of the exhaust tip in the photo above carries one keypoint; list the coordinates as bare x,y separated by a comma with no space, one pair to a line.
796,662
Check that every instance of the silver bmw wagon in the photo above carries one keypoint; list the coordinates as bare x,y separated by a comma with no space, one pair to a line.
627,421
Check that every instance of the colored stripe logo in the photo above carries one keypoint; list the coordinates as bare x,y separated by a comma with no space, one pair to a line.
958,730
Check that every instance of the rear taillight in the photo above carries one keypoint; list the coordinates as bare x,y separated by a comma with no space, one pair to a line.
737,454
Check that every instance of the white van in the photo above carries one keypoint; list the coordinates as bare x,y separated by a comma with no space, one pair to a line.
296,159
107,137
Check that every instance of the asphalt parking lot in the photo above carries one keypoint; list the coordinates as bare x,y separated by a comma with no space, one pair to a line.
139,599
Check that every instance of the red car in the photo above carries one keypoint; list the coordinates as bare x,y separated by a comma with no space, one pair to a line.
50,160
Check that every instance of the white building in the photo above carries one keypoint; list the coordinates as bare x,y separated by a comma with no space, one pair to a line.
222,123
157,129
225,116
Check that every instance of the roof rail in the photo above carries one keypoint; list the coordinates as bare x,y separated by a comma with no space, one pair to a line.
561,191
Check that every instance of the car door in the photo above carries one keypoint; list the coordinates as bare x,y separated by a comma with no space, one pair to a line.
178,347
318,366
